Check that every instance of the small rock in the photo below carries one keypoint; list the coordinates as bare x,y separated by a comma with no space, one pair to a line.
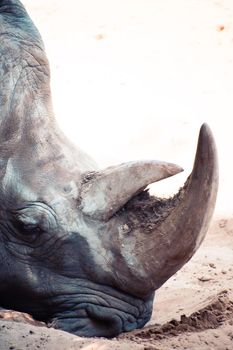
220,28
212,265
100,36
205,278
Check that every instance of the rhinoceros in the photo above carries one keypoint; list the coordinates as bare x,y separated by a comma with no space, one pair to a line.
83,249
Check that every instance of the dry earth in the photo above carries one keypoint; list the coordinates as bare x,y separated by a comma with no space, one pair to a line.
142,75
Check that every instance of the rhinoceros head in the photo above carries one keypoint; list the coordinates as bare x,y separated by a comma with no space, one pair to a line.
81,248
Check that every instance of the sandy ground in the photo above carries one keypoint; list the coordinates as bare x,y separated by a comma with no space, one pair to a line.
135,79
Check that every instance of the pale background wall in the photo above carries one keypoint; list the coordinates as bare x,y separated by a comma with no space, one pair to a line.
135,79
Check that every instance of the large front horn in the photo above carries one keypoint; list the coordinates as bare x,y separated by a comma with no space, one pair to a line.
153,241
164,250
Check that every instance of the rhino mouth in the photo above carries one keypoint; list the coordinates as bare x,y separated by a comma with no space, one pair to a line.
99,321
96,314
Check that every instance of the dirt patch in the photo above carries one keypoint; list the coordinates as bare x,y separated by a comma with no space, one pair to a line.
147,212
211,327
214,315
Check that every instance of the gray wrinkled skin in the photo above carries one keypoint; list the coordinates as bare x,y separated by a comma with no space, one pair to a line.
83,249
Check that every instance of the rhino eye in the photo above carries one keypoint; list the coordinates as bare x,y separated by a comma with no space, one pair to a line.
33,219
26,224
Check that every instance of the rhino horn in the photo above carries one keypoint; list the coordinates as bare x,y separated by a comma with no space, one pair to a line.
110,189
153,253
174,241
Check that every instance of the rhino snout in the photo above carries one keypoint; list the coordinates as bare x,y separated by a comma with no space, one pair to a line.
100,322
106,317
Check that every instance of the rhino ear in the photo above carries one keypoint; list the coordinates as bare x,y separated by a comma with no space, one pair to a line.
112,188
